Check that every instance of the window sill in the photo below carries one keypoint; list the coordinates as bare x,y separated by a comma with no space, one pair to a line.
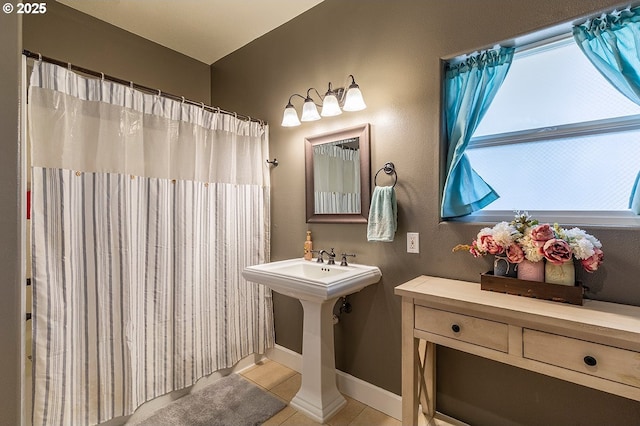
613,219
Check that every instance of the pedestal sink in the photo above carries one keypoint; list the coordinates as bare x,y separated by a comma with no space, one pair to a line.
317,286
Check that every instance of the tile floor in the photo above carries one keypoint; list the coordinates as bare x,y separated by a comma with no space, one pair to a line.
283,382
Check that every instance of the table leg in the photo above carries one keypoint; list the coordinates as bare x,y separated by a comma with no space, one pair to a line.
410,365
427,377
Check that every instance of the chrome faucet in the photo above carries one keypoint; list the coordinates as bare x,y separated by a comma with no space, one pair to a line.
320,253
331,255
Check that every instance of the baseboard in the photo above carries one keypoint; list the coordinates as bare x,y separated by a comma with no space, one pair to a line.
440,420
286,357
373,396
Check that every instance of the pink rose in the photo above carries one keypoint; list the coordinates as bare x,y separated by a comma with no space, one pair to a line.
557,251
489,245
592,263
475,250
541,234
515,253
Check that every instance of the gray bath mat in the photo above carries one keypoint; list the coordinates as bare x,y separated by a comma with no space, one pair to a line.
231,401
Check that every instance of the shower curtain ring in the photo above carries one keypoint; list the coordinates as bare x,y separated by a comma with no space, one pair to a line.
102,76
69,66
183,99
39,57
159,93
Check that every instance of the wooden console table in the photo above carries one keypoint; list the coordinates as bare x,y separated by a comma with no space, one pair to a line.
595,345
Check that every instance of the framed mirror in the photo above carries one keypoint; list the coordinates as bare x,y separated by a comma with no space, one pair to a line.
338,176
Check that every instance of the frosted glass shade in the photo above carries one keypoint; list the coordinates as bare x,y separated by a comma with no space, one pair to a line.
290,117
353,100
330,106
310,111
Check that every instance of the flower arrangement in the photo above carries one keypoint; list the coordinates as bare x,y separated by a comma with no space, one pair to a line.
525,238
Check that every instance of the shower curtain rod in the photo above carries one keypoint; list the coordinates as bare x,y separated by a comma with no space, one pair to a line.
133,85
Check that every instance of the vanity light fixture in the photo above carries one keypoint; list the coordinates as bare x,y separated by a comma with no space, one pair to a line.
331,104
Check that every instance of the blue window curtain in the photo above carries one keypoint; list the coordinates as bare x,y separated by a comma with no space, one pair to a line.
612,44
469,88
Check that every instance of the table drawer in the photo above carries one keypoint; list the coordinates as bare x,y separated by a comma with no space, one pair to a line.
481,332
608,362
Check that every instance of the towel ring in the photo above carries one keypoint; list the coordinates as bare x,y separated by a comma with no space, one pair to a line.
388,168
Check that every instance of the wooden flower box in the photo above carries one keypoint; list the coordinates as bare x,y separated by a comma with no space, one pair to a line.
539,290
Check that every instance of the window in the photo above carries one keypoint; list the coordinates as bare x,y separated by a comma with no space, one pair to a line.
559,137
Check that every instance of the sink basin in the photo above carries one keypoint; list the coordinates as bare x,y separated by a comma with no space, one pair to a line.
309,280
317,286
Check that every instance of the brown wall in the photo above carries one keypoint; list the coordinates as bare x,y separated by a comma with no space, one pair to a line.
394,48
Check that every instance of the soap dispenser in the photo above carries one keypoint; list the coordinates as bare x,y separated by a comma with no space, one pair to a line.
308,247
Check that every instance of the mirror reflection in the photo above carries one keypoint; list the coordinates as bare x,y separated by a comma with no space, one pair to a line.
338,181
336,177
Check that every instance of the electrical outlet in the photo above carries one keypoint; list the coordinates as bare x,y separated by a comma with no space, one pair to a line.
413,242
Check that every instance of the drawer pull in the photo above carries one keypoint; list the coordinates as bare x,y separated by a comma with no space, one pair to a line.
590,361
455,328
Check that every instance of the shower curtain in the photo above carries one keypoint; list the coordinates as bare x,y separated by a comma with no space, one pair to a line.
145,211
336,179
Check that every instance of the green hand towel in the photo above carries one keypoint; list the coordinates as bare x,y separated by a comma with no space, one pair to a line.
383,214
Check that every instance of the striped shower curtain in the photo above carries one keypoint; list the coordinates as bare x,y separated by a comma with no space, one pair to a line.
336,179
144,213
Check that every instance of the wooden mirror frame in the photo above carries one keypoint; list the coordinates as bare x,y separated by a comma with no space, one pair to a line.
362,132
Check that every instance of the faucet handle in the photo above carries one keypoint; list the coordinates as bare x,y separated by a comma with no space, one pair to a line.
344,259
332,257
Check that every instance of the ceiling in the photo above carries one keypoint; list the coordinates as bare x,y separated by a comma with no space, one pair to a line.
206,30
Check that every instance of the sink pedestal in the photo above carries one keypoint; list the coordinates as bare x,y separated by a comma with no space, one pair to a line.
318,287
318,397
